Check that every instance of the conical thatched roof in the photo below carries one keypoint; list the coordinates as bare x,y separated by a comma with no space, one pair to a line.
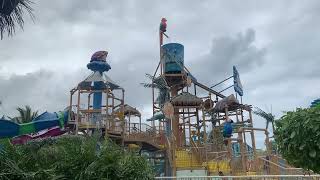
99,77
230,102
186,99
129,110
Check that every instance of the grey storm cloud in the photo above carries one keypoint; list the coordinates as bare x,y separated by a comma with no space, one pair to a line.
43,90
236,50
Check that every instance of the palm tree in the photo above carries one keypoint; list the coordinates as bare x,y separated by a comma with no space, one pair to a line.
11,15
25,115
160,84
269,117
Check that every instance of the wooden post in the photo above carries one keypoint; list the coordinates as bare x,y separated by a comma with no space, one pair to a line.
153,104
107,114
204,137
184,128
198,126
244,134
122,116
70,111
140,123
197,117
226,114
89,98
267,142
112,114
229,147
204,127
173,152
243,150
78,113
161,42
190,135
175,122
129,122
253,140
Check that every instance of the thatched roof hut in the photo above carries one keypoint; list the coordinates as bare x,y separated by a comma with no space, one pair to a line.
208,104
106,81
229,102
186,99
129,110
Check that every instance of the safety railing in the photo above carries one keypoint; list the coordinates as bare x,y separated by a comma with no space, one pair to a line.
137,127
144,133
115,126
266,166
170,150
246,177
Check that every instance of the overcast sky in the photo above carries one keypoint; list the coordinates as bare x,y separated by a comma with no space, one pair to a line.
274,44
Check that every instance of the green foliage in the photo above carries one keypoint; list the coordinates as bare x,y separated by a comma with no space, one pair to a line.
297,136
25,115
11,15
71,157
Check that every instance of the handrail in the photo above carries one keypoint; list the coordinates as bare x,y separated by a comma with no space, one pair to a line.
238,177
277,165
269,164
168,149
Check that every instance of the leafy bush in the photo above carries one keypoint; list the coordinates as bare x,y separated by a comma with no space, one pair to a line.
298,138
71,157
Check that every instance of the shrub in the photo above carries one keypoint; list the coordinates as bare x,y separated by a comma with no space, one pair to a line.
297,136
71,157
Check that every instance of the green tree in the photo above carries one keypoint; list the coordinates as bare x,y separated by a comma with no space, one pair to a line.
25,115
297,136
11,15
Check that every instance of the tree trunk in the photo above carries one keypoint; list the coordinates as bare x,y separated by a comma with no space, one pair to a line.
273,128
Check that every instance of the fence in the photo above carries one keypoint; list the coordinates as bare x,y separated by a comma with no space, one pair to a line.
263,177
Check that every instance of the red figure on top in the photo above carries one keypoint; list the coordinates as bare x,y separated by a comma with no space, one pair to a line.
162,29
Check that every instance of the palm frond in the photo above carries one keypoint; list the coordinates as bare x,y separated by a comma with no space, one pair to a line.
11,15
149,85
25,115
161,84
150,76
269,117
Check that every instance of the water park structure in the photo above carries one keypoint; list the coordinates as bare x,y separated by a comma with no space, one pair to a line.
194,129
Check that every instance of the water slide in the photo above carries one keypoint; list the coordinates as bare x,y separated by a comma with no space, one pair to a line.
45,125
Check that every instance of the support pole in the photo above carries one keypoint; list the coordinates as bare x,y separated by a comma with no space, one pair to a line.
252,135
78,113
140,123
70,111
129,122
122,117
175,122
107,113
89,98
204,127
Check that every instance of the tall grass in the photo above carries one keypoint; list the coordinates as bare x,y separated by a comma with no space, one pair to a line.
71,157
